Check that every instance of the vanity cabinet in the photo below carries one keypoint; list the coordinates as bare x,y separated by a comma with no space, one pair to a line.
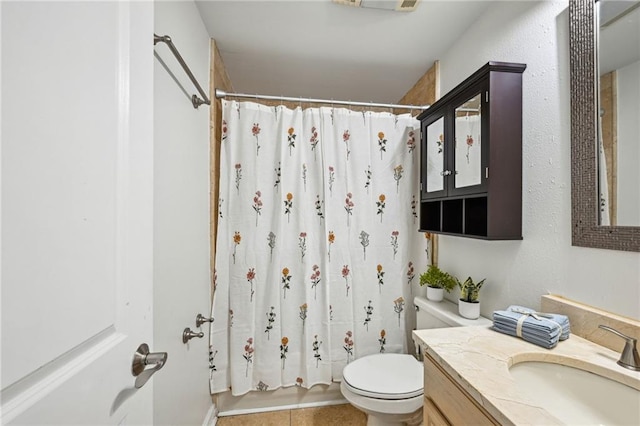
471,165
446,403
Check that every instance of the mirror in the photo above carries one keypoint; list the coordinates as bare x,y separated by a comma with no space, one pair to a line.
618,43
435,155
468,126
585,195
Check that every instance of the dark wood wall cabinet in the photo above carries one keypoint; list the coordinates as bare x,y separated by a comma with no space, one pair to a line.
471,165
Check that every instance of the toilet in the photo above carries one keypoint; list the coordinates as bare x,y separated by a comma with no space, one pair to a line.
389,387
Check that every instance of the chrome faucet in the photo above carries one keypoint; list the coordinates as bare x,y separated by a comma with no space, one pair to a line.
629,357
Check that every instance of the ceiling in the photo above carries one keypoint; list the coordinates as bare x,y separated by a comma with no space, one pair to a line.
619,40
320,49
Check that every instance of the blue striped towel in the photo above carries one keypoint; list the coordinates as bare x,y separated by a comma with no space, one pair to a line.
542,329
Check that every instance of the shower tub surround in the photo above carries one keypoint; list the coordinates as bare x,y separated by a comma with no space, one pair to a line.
478,360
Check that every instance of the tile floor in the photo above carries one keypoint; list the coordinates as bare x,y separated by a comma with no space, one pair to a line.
343,415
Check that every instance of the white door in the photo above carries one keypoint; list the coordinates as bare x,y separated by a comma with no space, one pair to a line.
77,210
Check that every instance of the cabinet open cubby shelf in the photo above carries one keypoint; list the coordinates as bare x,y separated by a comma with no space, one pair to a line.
460,216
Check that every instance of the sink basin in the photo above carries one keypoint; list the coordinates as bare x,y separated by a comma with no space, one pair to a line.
576,396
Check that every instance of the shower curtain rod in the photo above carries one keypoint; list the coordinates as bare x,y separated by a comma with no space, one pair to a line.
222,94
195,100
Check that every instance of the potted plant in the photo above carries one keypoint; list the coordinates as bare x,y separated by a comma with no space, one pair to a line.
469,305
437,281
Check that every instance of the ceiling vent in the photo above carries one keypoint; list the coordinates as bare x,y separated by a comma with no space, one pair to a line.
397,5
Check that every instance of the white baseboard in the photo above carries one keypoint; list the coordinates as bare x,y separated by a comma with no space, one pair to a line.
212,416
282,407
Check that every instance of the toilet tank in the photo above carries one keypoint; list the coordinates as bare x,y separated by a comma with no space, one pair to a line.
431,314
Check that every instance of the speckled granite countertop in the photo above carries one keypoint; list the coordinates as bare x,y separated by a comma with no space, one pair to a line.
479,358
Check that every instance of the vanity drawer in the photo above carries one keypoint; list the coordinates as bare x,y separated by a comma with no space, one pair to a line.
452,405
433,416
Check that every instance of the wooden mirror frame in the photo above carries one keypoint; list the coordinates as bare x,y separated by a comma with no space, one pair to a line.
586,230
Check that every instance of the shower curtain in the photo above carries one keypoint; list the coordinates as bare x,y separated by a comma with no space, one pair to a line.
318,250
603,180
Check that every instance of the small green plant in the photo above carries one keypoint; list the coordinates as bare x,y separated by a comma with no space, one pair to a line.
469,291
436,278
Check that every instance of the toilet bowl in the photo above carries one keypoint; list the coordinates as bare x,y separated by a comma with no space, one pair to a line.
389,387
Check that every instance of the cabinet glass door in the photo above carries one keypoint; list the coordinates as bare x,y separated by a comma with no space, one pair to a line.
434,138
468,158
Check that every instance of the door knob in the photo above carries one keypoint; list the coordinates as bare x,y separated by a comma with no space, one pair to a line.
187,335
141,359
200,319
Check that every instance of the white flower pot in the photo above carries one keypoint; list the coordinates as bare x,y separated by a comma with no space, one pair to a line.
469,310
435,294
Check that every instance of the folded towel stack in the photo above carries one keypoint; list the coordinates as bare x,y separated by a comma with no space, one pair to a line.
538,328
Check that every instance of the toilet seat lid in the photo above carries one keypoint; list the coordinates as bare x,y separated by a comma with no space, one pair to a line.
385,376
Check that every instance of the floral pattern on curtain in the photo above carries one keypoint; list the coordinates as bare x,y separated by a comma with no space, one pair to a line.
318,243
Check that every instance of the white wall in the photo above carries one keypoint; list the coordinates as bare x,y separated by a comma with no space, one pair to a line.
181,217
628,109
519,272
